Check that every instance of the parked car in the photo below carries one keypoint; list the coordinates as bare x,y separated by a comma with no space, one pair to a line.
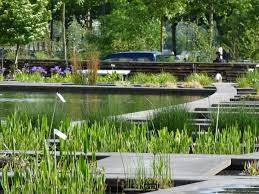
141,56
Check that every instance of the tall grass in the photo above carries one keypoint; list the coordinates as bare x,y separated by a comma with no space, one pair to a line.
110,137
201,78
250,79
236,116
229,141
158,176
77,76
172,118
93,66
40,175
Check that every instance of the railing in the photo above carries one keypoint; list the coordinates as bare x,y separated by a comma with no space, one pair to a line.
229,71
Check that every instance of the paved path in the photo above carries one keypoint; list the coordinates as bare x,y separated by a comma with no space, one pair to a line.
224,92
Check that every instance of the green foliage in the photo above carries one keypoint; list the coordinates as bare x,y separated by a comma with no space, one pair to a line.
40,174
22,21
161,78
2,77
41,55
120,32
228,141
110,78
172,118
241,117
29,77
250,79
57,78
202,78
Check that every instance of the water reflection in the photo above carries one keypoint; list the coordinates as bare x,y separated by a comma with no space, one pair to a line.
79,104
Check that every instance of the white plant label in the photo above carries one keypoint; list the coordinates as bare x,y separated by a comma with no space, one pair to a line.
60,134
61,97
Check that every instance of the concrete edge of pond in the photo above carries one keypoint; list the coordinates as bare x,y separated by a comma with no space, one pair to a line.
224,92
55,87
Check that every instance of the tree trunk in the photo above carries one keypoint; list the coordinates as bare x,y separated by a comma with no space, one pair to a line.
16,55
64,32
51,29
211,23
161,34
173,28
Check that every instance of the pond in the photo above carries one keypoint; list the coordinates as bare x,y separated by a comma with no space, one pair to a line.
78,105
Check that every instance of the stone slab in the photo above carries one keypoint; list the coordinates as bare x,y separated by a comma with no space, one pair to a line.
126,165
213,186
224,92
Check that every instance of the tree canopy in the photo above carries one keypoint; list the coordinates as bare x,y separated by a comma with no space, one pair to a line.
119,25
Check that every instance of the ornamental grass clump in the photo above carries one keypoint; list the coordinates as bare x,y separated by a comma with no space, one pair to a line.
172,118
93,67
77,76
154,79
201,78
250,79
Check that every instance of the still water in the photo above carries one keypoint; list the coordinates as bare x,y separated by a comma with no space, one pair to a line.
78,104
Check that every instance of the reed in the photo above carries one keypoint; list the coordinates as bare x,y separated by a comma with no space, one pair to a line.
77,76
240,116
93,66
172,118
40,175
107,136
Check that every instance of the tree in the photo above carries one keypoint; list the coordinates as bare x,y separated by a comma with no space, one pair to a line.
22,22
129,26
165,10
241,30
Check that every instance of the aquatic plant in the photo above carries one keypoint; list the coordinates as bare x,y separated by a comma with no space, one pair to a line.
159,176
227,141
240,116
251,168
73,174
172,118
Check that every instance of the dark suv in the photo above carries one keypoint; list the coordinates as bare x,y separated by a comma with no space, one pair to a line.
141,56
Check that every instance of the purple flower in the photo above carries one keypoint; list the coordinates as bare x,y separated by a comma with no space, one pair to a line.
67,70
38,69
56,69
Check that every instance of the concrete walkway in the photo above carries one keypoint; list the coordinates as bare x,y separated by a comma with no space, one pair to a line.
224,92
